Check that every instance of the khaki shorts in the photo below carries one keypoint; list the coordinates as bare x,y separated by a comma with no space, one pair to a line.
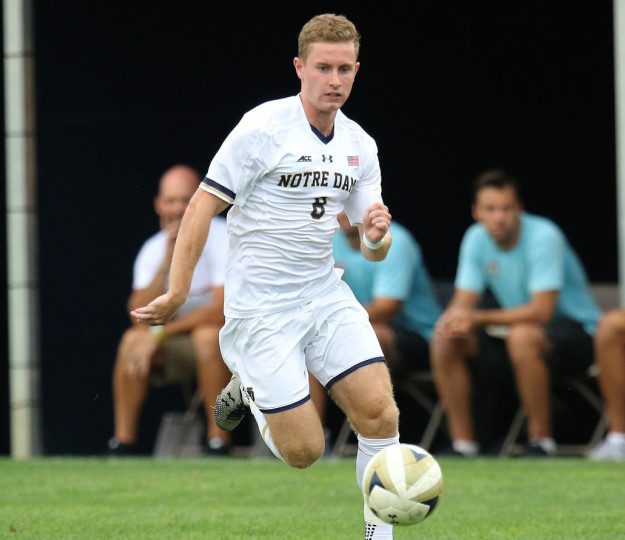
175,362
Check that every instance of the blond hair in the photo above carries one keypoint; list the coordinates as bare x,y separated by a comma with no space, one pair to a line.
327,28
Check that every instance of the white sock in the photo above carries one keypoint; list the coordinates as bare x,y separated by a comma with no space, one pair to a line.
263,427
367,448
614,437
466,448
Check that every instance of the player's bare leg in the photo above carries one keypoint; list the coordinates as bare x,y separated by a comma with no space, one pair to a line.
527,345
610,358
319,396
366,397
296,433
212,376
129,393
449,360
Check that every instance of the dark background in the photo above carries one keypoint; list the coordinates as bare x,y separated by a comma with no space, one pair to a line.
447,90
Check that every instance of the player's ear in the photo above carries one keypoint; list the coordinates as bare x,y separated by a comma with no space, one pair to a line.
299,66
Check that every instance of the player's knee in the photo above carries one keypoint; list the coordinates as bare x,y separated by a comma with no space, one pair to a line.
611,327
304,454
205,337
381,420
523,339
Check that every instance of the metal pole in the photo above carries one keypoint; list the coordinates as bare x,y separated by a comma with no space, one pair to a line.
21,200
619,92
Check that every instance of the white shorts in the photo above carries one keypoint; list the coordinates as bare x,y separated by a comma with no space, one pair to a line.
272,354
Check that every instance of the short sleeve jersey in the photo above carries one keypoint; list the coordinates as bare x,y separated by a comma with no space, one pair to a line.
209,272
402,275
287,184
541,260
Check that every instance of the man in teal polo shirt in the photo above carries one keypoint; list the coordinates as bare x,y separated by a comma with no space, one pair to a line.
545,321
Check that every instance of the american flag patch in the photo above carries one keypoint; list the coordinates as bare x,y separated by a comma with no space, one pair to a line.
353,161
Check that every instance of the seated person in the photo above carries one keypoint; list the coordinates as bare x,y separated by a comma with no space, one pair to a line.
547,315
187,347
610,359
396,293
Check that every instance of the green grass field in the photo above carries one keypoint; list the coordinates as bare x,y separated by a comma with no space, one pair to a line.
252,499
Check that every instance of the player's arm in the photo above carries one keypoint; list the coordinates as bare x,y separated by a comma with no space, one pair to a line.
189,245
211,314
456,319
141,297
382,309
374,232
144,295
538,310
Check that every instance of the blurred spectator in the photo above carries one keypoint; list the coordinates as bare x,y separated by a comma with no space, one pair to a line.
187,347
545,322
397,294
610,359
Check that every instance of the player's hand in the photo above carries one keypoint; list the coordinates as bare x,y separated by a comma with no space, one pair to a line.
159,310
376,222
137,350
138,357
455,322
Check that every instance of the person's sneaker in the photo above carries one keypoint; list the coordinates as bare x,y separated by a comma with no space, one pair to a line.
534,449
230,406
215,446
608,450
120,449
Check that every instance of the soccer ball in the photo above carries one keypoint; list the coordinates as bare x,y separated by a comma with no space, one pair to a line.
402,484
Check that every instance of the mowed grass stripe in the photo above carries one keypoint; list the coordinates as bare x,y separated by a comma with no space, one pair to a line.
263,499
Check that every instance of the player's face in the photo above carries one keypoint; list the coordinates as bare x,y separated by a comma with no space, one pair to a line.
327,75
499,211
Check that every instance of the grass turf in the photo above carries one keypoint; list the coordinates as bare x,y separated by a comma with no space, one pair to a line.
229,498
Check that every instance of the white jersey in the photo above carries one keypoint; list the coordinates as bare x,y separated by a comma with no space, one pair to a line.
288,183
209,272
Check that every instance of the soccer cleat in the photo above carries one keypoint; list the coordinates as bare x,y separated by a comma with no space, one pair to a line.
375,532
230,406
608,451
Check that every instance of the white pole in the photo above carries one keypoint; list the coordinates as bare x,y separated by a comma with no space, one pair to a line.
21,212
619,92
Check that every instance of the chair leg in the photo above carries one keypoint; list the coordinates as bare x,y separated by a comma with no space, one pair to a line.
513,433
432,428
340,446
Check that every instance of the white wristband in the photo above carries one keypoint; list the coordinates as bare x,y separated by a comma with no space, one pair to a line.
373,245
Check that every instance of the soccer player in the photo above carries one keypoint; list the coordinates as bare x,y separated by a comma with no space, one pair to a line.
545,323
288,168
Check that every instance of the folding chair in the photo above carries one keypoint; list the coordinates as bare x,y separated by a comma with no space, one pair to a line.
180,433
582,384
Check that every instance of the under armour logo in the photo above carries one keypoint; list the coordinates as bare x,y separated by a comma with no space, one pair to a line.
328,158
305,159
